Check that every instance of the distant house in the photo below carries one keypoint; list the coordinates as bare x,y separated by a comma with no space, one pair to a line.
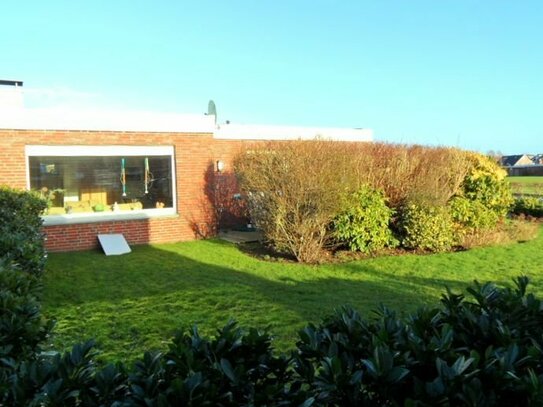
516,160
523,165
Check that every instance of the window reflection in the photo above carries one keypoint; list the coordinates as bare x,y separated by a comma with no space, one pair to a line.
80,184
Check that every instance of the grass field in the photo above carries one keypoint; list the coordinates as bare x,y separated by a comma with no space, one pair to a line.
134,302
527,185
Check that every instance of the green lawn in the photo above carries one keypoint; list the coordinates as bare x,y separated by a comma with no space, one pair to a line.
526,185
134,302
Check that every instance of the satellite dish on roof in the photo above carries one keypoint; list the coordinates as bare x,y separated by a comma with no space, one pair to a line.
212,110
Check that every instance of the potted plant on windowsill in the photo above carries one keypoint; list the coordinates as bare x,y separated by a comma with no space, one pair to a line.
99,207
49,195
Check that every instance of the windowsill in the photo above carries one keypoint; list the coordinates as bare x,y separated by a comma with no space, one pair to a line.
74,218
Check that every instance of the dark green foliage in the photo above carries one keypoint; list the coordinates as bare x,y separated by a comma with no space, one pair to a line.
72,379
364,224
529,206
21,239
428,228
483,352
22,327
22,261
235,368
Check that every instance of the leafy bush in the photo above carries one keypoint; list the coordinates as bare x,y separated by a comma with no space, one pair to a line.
236,368
72,379
482,352
21,265
529,206
21,239
22,262
486,184
364,223
471,216
22,327
427,228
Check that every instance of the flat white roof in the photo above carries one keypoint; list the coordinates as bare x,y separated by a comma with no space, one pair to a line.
95,120
263,132
144,121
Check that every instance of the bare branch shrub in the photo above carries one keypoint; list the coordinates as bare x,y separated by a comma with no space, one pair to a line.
293,191
424,175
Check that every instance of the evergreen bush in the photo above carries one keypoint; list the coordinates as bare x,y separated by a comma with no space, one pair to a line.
471,216
22,262
427,228
481,352
485,183
21,238
364,224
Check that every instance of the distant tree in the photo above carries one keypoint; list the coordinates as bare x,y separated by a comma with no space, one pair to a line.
496,155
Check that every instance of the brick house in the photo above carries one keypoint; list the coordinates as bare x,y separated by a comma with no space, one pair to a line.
146,175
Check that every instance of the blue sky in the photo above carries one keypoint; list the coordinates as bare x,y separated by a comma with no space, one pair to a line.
458,73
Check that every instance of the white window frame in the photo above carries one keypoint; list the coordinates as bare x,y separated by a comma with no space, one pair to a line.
103,151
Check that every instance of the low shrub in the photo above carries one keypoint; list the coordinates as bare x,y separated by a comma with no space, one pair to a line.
236,368
472,216
364,224
482,352
21,238
22,261
293,192
22,326
71,379
475,224
486,184
427,228
528,206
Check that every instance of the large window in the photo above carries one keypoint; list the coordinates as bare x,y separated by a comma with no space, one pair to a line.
103,180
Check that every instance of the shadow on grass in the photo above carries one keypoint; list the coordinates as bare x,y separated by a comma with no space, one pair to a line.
236,281
135,302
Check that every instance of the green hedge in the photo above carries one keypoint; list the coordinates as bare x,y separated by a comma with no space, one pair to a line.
528,206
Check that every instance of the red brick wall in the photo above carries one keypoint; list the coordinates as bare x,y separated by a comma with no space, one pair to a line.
195,155
82,236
